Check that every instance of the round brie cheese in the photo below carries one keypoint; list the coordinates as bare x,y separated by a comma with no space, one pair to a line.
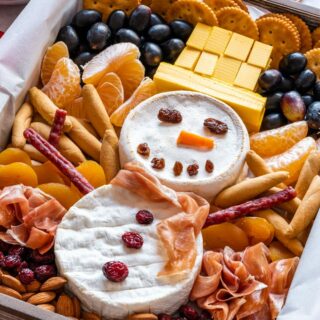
228,155
90,235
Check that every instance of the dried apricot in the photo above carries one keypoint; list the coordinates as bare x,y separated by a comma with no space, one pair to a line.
257,229
47,173
11,155
225,234
64,194
93,172
16,173
278,251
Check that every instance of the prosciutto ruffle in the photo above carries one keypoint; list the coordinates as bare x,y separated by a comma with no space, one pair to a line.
179,232
243,285
29,217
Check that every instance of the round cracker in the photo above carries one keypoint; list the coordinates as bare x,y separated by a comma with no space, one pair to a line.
316,35
216,5
304,31
192,11
107,6
242,5
313,57
281,35
161,7
236,20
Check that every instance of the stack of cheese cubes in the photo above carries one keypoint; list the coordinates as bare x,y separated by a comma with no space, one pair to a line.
223,64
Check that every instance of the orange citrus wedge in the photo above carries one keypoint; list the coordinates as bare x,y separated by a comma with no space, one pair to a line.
131,74
271,142
52,56
109,60
145,90
293,159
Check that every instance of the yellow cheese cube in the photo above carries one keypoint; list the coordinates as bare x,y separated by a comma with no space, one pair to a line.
260,55
188,58
239,47
247,76
199,36
206,64
227,69
218,40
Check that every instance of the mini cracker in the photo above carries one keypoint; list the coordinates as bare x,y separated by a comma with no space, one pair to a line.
161,7
313,57
236,20
242,5
304,31
107,6
216,5
281,35
316,35
192,11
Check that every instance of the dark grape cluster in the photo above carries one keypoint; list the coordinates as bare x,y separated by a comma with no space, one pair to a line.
293,93
158,41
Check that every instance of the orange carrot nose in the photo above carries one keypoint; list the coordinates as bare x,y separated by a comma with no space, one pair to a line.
195,141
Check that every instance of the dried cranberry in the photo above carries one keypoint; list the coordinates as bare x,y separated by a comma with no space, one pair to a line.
23,265
177,168
17,251
215,126
26,275
158,163
45,272
169,115
115,271
164,316
144,217
2,259
189,312
209,166
46,258
132,240
11,262
5,247
192,169
205,315
143,149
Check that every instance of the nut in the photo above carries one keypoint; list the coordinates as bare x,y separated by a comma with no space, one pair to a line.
10,292
90,316
76,307
26,296
34,286
65,306
13,283
42,297
47,306
53,283
143,316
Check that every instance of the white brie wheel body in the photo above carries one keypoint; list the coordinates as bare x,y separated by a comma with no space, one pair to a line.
143,126
90,235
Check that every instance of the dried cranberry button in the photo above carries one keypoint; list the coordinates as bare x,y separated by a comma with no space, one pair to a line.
26,276
132,240
115,271
11,262
144,217
17,251
164,316
45,272
189,312
46,258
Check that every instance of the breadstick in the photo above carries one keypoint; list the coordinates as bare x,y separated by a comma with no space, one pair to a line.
280,226
258,166
67,148
249,189
109,157
21,122
46,107
309,170
33,153
307,209
95,110
88,143
89,127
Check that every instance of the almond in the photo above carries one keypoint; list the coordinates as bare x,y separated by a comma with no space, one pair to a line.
26,296
65,306
10,292
76,307
143,316
47,306
42,297
13,283
53,283
34,286
90,316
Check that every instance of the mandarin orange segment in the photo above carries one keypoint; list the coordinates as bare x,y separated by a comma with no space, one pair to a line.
145,90
110,90
64,85
131,74
11,155
271,142
279,252
257,229
293,159
64,194
47,173
52,56
17,173
225,234
93,172
76,109
109,60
